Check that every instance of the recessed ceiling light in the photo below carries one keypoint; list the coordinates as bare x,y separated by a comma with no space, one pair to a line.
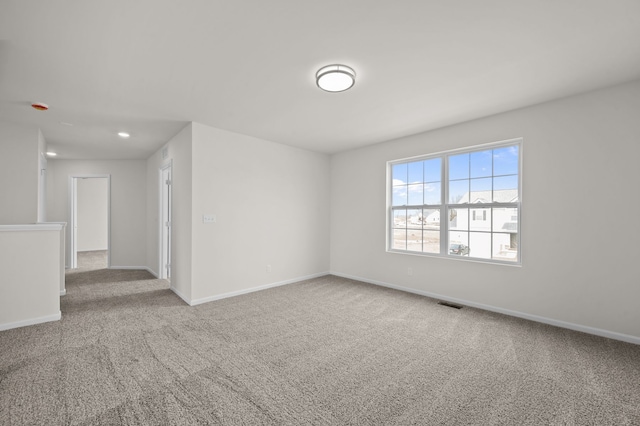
335,78
123,134
51,154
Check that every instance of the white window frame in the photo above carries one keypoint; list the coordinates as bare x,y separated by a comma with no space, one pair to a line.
445,206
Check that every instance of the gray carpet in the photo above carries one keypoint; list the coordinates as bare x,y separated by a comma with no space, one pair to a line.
96,259
327,351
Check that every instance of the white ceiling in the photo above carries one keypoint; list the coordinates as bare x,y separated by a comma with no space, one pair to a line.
151,66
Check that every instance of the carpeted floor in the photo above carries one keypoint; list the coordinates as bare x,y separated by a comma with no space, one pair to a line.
327,351
96,259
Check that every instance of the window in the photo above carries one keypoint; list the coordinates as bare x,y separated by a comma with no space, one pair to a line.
476,192
481,215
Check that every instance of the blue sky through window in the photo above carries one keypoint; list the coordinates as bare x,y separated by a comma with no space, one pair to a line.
418,182
480,164
505,161
433,170
416,172
459,166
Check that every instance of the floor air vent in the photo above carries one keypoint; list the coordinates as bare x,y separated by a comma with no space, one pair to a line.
450,305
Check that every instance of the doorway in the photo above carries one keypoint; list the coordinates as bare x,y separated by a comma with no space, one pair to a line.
165,221
90,218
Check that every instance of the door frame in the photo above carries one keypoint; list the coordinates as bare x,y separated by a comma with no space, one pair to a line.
73,217
42,189
163,273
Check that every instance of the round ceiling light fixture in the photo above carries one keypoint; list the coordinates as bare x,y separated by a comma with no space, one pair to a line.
51,154
39,106
335,78
123,134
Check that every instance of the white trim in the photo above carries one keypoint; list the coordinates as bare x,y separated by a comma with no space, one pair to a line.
33,227
252,289
42,186
32,321
168,165
464,149
73,200
180,295
445,205
550,321
72,258
93,249
63,253
135,268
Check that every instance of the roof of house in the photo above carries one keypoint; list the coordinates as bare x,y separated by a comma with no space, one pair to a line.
499,196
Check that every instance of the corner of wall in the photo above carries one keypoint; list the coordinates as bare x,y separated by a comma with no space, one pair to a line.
178,150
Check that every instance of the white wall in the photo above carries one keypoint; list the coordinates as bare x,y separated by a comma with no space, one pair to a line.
92,209
180,155
271,203
579,214
32,270
128,203
19,171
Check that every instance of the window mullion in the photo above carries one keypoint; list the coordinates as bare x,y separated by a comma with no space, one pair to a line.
503,195
444,211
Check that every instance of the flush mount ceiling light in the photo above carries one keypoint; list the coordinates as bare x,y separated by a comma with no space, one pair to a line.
335,78
51,154
123,134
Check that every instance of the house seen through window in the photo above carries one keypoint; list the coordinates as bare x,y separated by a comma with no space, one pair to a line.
476,191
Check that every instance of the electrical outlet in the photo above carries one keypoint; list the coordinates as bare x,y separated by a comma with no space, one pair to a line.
410,272
208,218
268,268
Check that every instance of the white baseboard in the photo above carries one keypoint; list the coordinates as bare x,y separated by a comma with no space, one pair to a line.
63,292
151,271
32,321
135,268
128,267
252,289
550,321
180,295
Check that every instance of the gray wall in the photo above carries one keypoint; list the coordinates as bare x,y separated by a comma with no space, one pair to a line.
128,203
179,154
19,172
272,207
579,214
92,209
271,202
